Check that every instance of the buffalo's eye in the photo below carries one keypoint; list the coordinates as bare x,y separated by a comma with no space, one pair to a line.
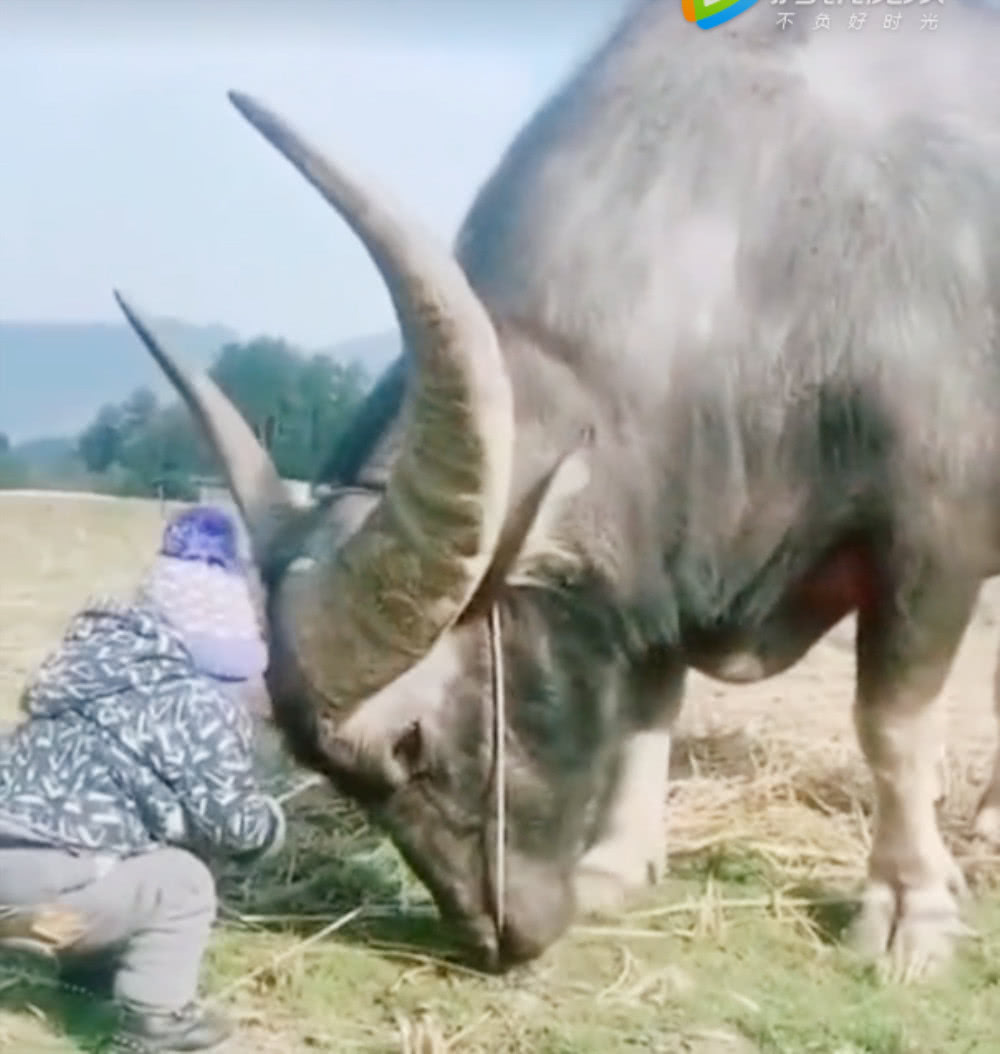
370,790
410,751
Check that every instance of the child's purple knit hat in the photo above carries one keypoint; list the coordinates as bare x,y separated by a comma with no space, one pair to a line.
203,533
198,583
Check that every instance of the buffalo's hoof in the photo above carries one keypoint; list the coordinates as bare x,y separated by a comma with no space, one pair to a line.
911,934
987,822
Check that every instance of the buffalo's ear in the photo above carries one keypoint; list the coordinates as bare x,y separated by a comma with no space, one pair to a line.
409,750
531,534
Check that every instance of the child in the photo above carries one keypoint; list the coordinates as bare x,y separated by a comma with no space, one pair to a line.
133,768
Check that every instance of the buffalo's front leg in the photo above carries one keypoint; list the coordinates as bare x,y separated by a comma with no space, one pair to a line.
906,643
987,822
631,850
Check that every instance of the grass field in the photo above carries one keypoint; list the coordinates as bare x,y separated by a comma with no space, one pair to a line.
333,948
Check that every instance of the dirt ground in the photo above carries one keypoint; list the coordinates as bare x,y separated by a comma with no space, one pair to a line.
813,700
815,697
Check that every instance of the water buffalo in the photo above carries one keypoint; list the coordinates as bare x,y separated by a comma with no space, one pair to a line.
715,360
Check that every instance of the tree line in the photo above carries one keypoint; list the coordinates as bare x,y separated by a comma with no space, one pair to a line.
296,405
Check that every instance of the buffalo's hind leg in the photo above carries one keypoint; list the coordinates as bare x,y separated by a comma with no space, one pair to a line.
906,643
631,849
987,821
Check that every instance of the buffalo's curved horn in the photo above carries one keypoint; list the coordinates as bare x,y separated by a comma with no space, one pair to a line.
263,499
359,615
371,608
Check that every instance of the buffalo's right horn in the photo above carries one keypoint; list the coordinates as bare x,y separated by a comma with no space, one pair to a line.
364,613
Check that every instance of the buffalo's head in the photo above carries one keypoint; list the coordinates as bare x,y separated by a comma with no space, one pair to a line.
380,602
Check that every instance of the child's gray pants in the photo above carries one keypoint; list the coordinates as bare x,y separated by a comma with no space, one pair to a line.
151,913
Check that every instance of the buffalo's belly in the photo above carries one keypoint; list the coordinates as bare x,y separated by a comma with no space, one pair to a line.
844,580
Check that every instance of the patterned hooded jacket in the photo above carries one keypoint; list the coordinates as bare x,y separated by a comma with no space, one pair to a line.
127,745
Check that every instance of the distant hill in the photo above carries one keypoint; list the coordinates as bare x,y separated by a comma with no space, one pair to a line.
55,376
44,453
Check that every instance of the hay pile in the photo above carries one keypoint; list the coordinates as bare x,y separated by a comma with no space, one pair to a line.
802,803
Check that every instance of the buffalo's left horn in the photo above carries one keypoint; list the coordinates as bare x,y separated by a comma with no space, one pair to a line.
260,493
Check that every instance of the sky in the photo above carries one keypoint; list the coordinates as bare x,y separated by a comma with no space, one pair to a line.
124,165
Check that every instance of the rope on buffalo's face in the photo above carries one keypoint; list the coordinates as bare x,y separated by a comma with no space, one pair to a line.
499,767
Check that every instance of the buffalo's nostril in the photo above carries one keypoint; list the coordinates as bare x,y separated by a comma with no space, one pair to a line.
488,959
485,947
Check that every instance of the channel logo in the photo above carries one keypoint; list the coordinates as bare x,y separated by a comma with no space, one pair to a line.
708,13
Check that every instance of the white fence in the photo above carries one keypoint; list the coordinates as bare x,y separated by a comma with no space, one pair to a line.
214,493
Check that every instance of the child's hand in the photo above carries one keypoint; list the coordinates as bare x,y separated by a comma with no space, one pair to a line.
276,840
